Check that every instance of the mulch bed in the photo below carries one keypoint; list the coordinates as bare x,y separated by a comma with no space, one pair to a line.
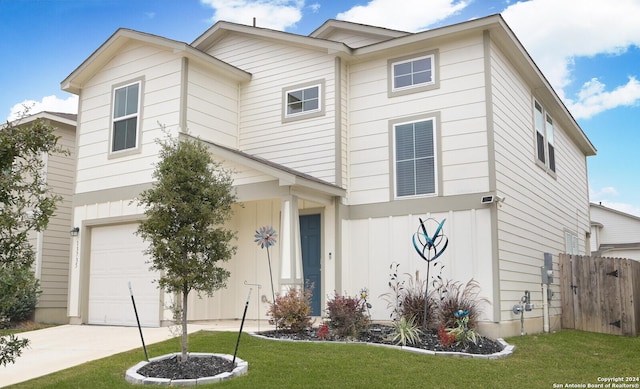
383,334
194,367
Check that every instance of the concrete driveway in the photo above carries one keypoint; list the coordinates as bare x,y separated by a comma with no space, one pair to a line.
57,348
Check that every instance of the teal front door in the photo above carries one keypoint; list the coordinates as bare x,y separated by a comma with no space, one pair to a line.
310,244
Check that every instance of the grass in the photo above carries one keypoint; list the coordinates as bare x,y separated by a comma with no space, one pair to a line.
539,361
24,327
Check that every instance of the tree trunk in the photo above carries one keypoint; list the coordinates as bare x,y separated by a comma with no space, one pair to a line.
184,355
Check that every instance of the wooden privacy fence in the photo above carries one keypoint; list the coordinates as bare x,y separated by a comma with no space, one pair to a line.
600,294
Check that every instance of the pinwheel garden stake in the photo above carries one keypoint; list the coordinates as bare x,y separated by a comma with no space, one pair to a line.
266,237
427,247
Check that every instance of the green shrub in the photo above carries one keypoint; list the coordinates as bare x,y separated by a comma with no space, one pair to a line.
347,315
19,291
406,331
461,332
292,311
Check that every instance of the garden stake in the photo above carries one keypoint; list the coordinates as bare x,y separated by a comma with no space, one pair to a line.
246,305
424,244
138,320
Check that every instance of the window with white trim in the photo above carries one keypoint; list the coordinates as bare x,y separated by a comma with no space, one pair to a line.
303,101
125,122
551,151
545,146
415,158
413,72
571,243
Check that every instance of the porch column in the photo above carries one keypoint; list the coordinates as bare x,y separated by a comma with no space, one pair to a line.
290,252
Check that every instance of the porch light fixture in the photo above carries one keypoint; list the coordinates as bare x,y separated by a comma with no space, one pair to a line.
74,231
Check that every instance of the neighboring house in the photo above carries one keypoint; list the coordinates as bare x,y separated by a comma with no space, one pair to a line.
614,234
52,245
342,140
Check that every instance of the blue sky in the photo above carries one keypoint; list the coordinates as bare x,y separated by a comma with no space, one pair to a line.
589,50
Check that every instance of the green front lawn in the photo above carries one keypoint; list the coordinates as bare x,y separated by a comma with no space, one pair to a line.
539,361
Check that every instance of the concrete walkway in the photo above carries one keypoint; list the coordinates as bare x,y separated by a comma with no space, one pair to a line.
57,348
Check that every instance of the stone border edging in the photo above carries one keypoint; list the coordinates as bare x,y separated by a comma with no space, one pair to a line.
242,367
505,352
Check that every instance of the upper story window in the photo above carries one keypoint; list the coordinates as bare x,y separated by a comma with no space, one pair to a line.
415,158
125,122
551,152
545,149
413,73
303,101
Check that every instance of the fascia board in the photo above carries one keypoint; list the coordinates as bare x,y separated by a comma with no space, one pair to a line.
45,115
73,83
221,29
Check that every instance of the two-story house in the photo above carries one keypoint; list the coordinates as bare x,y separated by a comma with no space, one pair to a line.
341,140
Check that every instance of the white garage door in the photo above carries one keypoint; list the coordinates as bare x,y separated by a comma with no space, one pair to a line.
116,259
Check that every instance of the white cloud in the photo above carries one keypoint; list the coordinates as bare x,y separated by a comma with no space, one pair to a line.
556,32
604,196
48,103
593,98
274,14
408,15
606,191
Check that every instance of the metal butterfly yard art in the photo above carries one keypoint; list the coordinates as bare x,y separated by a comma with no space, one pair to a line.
429,248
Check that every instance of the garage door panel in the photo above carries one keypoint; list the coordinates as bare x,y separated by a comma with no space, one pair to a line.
117,258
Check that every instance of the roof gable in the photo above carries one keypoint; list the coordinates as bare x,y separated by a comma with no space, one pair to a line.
504,37
333,30
221,29
69,119
110,48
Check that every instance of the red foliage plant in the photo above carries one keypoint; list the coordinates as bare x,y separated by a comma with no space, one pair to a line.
323,332
446,339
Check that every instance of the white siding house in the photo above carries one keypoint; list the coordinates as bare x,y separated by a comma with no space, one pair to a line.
342,140
614,233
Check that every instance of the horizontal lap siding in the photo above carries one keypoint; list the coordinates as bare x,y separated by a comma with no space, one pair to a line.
161,94
617,228
538,207
212,107
307,145
460,101
54,267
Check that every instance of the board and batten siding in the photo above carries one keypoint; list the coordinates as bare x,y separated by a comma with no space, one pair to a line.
212,106
89,216
460,104
371,246
307,145
161,71
539,206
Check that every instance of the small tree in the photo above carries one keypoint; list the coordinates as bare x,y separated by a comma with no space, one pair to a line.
186,209
26,205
